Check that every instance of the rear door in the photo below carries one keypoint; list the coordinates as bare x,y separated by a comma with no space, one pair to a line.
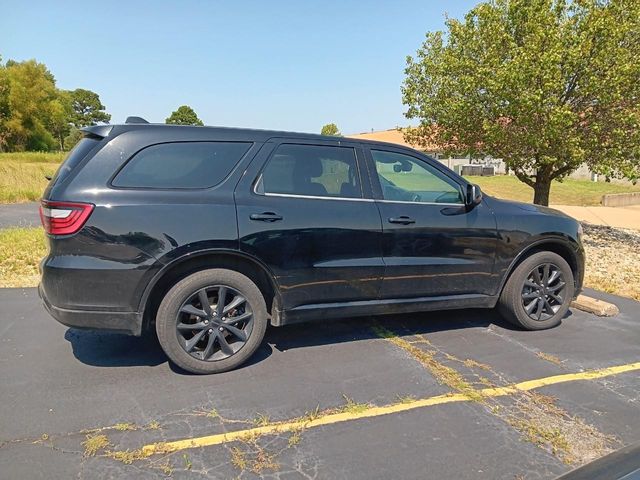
432,244
304,209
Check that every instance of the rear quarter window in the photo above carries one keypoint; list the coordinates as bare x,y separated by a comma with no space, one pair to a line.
77,153
181,165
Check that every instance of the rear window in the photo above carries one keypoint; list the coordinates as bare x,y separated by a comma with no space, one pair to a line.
77,153
181,165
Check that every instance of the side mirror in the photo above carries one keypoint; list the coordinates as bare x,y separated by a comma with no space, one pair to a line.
474,195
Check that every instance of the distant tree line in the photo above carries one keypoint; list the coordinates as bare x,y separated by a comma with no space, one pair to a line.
36,115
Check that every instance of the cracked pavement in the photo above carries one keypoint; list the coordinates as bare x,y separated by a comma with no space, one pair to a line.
62,386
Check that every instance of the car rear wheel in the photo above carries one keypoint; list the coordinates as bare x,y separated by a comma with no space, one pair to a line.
538,293
211,321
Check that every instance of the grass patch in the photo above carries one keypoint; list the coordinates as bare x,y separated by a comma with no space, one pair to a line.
261,420
126,456
238,458
21,250
152,425
24,182
33,157
22,174
125,426
353,407
94,443
567,192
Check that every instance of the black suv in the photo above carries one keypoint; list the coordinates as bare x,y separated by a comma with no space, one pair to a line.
208,234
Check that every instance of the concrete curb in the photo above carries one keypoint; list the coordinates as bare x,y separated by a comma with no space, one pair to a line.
595,306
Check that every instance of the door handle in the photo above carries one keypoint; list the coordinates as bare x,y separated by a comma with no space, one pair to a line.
265,217
403,220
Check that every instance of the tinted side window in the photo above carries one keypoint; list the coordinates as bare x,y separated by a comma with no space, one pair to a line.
313,170
405,178
77,153
181,165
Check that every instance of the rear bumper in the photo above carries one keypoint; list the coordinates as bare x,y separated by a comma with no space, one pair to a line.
129,323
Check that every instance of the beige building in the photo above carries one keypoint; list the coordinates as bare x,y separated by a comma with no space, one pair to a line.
395,135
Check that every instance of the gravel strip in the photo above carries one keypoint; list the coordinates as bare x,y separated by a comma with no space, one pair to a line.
612,260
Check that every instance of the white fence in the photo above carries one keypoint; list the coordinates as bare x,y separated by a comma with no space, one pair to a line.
500,168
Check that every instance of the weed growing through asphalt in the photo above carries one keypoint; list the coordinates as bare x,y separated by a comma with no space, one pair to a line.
94,443
549,358
442,373
405,399
125,427
152,425
261,420
126,456
534,415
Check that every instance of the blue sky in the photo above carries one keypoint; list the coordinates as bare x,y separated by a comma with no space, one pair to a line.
292,65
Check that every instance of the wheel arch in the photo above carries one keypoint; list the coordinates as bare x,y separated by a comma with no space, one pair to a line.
194,262
557,246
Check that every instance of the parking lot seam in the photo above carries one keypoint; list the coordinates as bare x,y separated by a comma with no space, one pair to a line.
375,411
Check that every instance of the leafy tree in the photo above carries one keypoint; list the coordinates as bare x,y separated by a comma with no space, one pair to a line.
184,115
544,84
74,137
330,129
61,116
5,110
87,108
30,100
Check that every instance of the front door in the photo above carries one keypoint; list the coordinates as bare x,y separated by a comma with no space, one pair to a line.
432,244
302,211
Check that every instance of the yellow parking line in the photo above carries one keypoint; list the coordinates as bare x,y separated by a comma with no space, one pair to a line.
221,438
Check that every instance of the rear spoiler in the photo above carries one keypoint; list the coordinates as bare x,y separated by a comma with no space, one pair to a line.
97,130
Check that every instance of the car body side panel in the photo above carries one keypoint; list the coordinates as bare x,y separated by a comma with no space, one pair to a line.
323,250
132,233
523,226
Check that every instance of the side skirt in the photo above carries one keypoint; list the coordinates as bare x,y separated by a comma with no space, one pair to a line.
327,311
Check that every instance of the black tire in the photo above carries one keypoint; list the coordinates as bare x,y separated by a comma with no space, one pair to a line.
518,297
171,315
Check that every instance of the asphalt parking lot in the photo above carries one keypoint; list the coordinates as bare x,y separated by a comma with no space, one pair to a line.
419,396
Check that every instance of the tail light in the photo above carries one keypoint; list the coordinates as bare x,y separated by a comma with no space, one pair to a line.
64,218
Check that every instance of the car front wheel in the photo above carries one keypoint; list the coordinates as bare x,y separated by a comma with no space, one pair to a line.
538,293
211,321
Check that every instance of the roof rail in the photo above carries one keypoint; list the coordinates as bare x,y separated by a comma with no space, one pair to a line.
135,120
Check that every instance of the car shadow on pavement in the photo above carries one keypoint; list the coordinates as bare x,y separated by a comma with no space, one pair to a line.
103,349
349,330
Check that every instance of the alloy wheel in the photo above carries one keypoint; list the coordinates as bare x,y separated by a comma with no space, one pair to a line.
543,292
214,323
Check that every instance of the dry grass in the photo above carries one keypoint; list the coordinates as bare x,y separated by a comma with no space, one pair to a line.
534,415
549,358
94,443
569,192
21,250
22,175
542,422
442,373
33,157
612,260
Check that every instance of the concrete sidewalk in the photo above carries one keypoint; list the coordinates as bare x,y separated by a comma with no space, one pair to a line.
620,217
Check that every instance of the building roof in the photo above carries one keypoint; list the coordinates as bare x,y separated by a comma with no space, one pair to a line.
393,135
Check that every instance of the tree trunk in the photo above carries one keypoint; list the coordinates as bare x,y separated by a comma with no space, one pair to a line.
541,191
